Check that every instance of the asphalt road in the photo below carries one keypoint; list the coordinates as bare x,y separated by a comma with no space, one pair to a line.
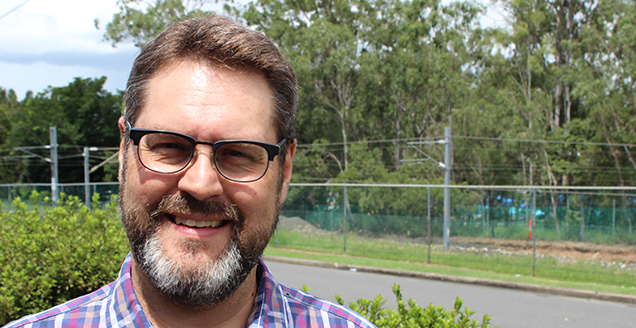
508,308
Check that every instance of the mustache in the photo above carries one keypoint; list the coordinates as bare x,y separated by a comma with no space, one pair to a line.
188,205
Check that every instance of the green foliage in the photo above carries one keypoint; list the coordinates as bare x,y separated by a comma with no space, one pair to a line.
411,315
140,25
53,254
84,114
9,106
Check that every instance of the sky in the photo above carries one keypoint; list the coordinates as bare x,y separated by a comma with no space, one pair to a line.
50,42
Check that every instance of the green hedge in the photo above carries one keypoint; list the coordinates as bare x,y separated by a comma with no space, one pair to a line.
53,254
411,315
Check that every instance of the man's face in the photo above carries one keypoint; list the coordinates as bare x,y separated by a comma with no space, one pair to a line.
164,213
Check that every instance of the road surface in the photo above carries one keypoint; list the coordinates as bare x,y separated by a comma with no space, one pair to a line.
508,308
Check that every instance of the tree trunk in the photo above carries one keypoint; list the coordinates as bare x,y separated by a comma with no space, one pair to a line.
568,54
556,116
554,210
397,137
344,143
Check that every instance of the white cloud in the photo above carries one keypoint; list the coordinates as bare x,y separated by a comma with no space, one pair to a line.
48,42
38,76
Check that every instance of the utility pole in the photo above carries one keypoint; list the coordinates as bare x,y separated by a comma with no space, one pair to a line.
87,178
534,234
447,173
54,166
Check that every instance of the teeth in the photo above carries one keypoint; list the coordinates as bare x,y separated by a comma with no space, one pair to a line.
196,223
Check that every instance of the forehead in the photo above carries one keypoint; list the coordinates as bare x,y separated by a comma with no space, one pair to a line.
199,98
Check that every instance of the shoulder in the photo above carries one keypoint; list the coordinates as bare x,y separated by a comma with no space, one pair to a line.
307,310
81,309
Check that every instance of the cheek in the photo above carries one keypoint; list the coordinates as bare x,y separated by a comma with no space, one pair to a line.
259,209
146,187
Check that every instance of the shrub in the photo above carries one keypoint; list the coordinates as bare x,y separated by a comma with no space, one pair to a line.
52,255
412,315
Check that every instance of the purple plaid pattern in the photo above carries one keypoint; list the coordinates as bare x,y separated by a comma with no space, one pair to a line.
281,306
116,305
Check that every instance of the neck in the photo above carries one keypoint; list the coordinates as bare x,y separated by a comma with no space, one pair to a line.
162,311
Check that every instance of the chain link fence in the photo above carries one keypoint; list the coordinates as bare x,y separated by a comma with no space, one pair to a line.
598,216
602,216
493,229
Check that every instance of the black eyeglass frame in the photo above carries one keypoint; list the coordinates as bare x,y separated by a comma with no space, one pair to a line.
135,134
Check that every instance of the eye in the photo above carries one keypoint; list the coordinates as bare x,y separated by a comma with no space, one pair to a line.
234,152
162,147
171,145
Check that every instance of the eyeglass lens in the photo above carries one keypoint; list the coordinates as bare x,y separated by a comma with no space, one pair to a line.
168,153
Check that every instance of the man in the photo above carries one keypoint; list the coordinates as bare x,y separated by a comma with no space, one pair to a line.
205,161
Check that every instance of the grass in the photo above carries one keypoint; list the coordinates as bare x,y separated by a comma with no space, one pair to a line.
403,255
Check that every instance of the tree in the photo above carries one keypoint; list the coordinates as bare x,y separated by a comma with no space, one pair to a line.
84,114
10,166
534,104
140,21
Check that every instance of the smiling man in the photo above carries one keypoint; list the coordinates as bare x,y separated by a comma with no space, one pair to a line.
205,161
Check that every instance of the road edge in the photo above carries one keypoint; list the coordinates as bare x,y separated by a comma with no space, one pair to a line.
560,291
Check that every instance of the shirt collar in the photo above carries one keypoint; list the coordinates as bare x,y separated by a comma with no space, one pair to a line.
270,309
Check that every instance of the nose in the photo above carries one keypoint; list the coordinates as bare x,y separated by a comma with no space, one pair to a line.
201,179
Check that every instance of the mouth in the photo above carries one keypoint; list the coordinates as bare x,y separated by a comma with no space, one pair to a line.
196,223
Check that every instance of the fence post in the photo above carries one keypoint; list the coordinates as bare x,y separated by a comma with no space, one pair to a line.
447,174
54,164
613,220
428,207
534,234
344,219
487,211
87,178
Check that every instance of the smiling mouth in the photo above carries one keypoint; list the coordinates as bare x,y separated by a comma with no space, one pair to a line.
197,223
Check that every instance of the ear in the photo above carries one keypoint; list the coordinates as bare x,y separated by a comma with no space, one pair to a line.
287,170
122,146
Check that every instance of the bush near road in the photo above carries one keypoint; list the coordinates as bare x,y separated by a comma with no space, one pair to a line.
52,255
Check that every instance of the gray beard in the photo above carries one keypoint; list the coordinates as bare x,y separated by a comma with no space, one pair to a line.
205,286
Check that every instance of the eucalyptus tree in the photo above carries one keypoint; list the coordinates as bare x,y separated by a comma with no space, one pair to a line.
420,68
325,42
140,21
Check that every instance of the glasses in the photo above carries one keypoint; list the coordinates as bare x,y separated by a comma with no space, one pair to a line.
170,152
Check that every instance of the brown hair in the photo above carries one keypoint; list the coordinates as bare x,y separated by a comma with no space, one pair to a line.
222,41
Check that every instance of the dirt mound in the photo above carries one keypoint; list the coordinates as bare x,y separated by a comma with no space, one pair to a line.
297,224
582,250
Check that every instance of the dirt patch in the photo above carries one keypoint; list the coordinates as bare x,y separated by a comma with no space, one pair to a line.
569,249
297,224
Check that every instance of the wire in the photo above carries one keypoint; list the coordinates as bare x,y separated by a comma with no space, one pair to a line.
547,141
14,9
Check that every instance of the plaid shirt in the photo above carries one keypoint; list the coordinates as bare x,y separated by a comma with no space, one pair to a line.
116,305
